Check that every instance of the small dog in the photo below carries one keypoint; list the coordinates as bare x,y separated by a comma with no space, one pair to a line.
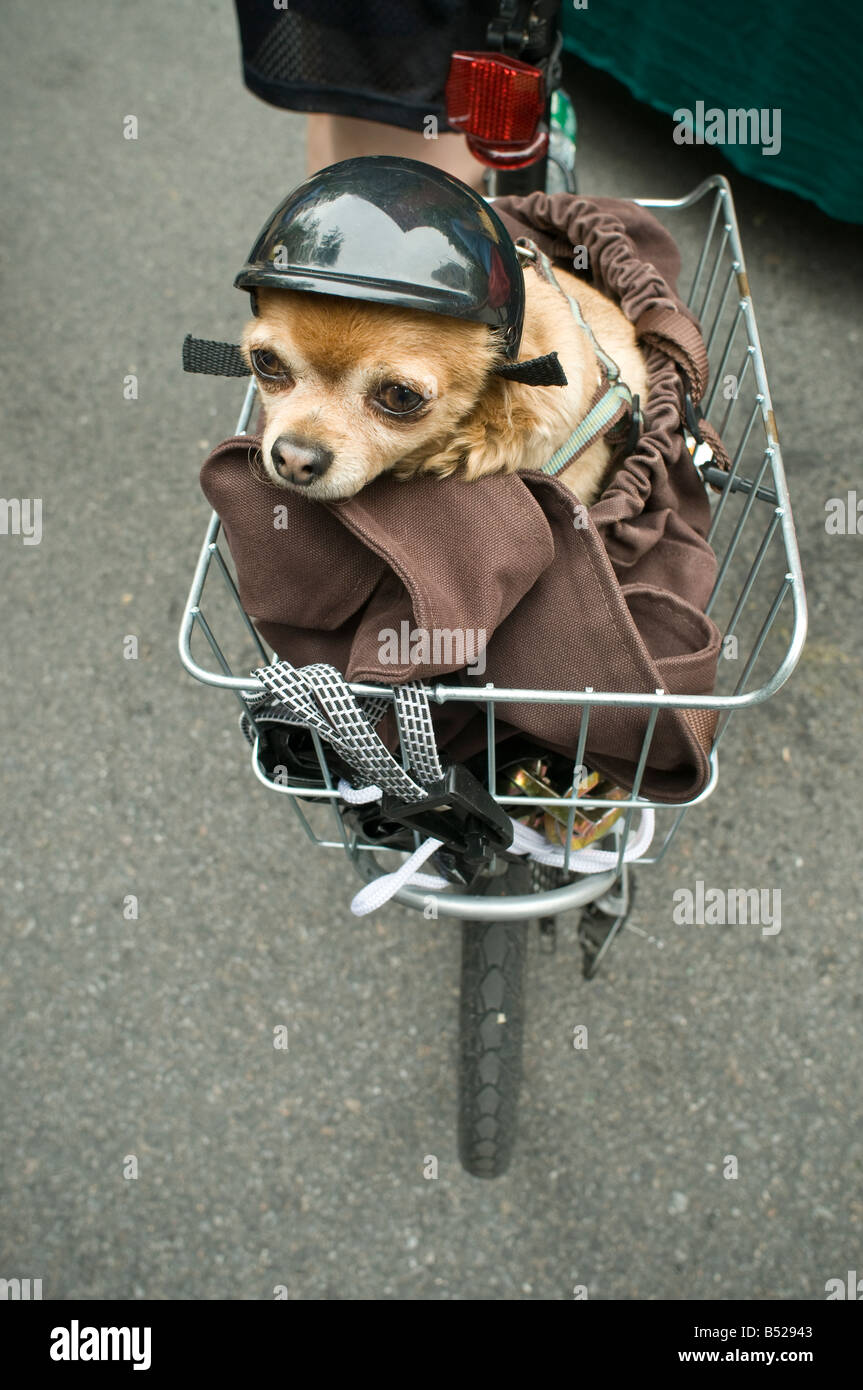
352,389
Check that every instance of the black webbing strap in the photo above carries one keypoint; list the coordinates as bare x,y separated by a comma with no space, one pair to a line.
225,359
213,359
537,371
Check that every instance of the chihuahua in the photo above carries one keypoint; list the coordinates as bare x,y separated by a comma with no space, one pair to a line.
352,389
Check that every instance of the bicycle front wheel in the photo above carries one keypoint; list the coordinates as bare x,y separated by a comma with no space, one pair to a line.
493,971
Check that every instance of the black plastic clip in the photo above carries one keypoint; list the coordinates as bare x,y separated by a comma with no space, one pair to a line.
634,425
458,811
692,419
702,452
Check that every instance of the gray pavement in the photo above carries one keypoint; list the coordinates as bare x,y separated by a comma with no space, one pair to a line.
152,1037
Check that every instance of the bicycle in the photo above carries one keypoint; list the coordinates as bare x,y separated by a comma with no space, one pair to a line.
491,890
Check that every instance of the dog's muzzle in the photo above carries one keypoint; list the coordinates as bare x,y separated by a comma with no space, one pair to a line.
299,461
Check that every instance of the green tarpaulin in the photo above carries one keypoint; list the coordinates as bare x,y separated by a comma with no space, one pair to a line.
717,62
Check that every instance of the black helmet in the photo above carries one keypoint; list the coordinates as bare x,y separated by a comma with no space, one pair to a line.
394,231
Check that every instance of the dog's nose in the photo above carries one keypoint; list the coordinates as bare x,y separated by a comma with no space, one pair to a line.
300,461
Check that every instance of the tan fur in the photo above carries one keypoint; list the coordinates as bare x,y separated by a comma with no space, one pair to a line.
340,350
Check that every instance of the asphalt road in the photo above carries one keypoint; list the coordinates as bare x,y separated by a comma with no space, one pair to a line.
152,1038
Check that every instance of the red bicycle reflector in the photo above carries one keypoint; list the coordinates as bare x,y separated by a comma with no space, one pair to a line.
495,100
510,156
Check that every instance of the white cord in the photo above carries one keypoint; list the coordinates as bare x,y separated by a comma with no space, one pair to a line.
583,861
525,841
380,890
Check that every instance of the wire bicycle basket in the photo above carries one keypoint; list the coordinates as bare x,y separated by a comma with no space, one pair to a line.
758,603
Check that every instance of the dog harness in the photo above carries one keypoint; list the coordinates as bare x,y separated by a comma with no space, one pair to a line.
613,402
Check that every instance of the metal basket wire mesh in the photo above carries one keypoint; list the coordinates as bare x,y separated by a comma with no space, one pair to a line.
758,601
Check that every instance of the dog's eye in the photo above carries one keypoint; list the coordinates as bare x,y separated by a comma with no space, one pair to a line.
397,399
268,366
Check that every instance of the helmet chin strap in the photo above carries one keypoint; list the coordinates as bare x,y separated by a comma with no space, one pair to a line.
536,371
225,359
212,358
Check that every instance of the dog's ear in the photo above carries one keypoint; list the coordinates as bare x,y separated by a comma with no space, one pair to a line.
494,436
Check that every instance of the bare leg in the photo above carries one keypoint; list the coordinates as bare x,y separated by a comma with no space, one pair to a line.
331,138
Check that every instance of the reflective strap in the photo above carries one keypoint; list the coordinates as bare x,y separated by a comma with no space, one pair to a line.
416,731
319,697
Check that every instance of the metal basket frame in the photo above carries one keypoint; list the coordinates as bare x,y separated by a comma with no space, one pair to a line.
756,478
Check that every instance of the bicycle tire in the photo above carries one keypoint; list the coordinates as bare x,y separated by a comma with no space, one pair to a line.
491,1028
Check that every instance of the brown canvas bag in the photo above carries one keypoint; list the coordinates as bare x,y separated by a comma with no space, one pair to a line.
615,604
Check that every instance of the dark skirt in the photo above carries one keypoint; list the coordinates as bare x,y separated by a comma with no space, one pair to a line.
380,60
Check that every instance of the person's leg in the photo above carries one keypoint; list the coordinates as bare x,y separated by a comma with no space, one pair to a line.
331,138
